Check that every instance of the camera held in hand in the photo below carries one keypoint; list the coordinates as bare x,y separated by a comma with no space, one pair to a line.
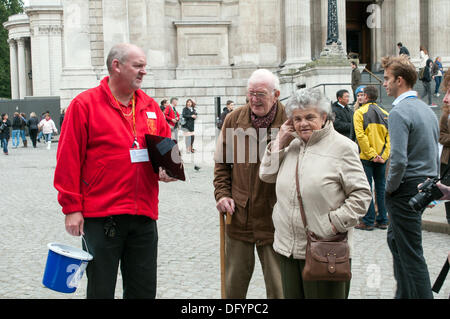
428,192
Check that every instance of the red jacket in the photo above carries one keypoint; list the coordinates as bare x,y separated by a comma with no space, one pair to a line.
94,174
170,115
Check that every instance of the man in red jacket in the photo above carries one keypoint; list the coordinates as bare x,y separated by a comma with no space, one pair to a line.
106,184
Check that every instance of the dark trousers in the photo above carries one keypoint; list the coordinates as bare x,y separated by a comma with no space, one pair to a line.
33,135
427,91
446,181
404,238
295,288
134,246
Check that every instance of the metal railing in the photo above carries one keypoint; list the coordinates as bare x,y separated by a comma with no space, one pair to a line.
371,74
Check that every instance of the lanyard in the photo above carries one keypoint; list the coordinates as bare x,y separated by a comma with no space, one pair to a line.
133,127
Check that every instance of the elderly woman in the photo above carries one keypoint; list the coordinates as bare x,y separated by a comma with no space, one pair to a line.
333,187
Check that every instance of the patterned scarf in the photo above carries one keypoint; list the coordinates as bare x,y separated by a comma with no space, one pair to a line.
266,120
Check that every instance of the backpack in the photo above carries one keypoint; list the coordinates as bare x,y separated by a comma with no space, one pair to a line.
421,73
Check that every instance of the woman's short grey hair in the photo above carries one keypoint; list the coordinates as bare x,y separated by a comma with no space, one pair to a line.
311,98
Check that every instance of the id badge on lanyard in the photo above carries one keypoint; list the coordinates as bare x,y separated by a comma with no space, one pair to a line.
137,154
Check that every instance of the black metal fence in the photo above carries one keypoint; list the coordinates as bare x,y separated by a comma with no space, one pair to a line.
37,105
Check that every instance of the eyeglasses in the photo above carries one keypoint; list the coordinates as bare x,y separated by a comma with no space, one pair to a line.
258,95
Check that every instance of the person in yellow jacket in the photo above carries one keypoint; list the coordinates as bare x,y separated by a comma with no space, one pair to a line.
371,130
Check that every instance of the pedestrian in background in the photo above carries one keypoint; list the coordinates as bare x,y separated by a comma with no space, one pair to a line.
23,125
343,121
227,109
356,78
437,73
174,103
16,126
5,124
48,128
190,115
360,98
171,117
239,191
423,55
61,117
106,187
33,127
426,81
444,139
333,196
371,129
41,134
414,134
402,50
163,104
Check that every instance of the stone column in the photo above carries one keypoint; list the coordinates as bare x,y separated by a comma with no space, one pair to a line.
155,36
28,68
248,33
298,32
439,30
21,68
407,26
13,67
115,23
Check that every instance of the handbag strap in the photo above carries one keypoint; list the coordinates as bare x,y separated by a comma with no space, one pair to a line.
337,237
299,197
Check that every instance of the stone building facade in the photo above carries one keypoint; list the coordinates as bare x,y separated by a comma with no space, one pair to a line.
203,49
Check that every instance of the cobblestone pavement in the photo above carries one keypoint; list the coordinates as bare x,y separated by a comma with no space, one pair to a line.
188,253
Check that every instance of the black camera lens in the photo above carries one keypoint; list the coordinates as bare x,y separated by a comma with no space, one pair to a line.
420,201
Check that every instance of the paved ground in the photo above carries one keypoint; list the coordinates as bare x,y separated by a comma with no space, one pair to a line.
188,256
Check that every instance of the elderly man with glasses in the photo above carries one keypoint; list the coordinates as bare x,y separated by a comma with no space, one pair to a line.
240,192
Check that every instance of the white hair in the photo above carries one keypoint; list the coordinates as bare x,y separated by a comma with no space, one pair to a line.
264,75
311,98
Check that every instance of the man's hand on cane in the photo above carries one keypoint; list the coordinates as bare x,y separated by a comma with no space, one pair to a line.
226,205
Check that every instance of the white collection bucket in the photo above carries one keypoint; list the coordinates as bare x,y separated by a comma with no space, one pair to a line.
65,267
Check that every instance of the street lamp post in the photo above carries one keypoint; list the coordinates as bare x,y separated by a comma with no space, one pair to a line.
332,27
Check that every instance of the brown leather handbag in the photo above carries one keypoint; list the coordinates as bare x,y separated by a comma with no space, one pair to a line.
326,259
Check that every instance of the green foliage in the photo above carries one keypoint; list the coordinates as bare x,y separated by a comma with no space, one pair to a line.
7,8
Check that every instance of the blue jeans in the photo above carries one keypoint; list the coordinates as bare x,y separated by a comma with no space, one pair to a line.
438,80
40,136
15,138
376,171
4,143
22,136
48,137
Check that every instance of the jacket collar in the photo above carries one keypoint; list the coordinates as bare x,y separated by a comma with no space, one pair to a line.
317,135
244,119
369,103
110,97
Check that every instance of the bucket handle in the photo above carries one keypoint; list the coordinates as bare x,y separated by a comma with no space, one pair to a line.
85,244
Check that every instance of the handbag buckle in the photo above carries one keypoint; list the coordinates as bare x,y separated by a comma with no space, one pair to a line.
331,257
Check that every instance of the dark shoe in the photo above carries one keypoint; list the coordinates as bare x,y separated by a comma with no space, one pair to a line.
363,226
381,226
197,168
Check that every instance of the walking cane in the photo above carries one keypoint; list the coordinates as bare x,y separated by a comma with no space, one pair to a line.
222,250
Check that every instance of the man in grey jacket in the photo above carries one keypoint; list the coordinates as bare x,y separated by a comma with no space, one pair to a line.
414,133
